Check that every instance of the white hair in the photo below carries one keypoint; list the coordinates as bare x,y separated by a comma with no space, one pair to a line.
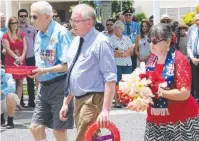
118,24
43,7
87,12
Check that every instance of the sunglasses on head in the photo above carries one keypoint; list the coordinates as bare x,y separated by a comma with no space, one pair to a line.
155,41
109,24
33,17
23,16
14,23
128,15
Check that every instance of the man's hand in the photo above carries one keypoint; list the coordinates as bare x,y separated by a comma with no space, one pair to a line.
195,61
103,119
63,112
37,72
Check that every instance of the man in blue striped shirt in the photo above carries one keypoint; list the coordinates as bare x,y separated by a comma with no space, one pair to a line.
93,76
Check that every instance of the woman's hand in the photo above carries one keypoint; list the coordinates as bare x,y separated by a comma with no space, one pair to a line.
20,59
118,53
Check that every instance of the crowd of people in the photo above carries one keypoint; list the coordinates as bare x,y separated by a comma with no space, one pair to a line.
79,65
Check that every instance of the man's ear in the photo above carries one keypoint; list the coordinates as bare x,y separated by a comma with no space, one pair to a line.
48,17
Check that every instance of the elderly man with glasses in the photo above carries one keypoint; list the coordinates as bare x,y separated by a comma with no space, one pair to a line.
51,45
92,75
131,29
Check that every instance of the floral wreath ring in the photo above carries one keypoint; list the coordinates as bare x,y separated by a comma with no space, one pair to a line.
115,134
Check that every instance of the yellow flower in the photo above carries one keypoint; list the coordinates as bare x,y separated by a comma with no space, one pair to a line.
188,18
197,9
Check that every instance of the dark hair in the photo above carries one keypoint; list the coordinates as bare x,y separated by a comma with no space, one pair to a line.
22,10
111,20
151,17
54,11
161,31
99,27
174,25
148,26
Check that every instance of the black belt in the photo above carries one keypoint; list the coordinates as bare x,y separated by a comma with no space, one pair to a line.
78,97
56,79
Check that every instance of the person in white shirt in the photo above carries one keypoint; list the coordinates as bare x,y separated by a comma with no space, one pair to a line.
193,53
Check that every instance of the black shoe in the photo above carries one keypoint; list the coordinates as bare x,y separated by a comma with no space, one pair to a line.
31,104
117,106
22,104
10,126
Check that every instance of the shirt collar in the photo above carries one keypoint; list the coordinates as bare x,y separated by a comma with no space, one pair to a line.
49,30
117,37
23,25
89,34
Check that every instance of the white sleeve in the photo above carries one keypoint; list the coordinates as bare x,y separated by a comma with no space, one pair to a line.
189,44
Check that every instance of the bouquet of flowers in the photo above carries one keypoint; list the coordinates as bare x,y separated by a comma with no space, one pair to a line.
188,18
138,88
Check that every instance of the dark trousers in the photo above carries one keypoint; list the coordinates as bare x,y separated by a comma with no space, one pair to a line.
195,81
30,82
2,55
134,62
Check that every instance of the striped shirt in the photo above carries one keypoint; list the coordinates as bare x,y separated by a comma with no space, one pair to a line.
122,44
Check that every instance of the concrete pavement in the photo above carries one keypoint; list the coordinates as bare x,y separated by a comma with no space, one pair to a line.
130,124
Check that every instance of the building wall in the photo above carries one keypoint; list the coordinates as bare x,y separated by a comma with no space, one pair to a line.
176,8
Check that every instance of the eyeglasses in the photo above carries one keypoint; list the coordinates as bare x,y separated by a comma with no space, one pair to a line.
128,15
55,16
155,41
165,21
23,16
76,22
34,17
197,20
14,23
109,24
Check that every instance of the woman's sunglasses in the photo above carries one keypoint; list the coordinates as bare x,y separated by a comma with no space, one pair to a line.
14,23
165,21
128,15
155,41
109,24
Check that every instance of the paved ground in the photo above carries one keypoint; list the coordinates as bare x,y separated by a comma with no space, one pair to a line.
130,124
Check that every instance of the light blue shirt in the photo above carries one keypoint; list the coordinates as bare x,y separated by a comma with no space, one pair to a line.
4,29
192,34
95,65
7,84
134,30
51,48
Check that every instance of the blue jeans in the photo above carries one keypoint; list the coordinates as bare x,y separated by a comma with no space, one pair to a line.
123,70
